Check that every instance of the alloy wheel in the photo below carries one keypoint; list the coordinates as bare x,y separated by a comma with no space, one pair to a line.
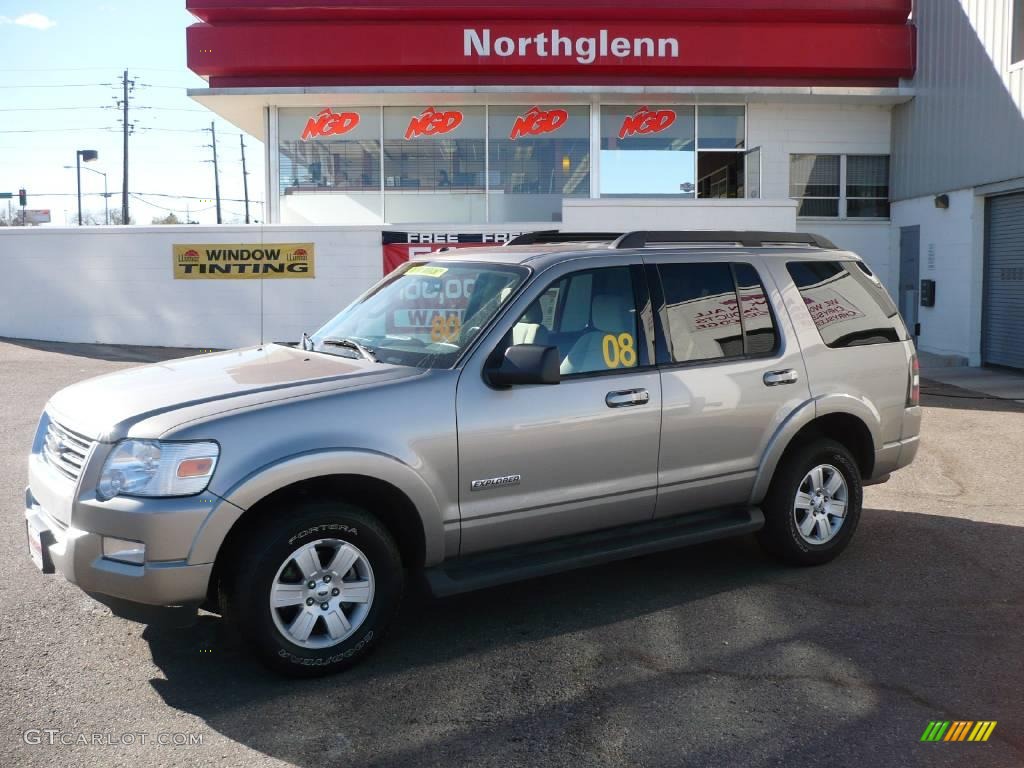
819,508
322,593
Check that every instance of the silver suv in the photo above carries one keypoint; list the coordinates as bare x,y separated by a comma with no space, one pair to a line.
478,417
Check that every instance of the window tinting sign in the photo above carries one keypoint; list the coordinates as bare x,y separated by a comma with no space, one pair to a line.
646,121
327,122
240,261
430,122
538,121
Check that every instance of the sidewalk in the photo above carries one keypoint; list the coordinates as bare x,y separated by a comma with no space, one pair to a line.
994,382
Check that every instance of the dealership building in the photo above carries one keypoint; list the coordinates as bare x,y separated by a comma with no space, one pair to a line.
894,132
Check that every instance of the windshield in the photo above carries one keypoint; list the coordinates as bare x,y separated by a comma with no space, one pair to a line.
422,314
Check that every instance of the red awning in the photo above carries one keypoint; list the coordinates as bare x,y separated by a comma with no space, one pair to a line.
551,42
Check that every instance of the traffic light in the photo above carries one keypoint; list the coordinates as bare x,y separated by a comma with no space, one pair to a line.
22,198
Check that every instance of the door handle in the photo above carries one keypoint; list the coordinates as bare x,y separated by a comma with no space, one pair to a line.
627,397
775,378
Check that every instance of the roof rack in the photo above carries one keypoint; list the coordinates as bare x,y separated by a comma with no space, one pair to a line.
554,237
642,239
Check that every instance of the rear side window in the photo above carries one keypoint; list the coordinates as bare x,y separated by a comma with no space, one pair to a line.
715,311
849,307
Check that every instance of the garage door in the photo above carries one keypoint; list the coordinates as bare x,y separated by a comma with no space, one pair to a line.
1002,337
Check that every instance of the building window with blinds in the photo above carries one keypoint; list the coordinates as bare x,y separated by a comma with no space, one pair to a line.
840,186
814,181
867,187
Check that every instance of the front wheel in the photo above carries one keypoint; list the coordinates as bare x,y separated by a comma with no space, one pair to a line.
311,592
813,505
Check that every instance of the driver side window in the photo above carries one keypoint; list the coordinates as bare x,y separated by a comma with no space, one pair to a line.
590,317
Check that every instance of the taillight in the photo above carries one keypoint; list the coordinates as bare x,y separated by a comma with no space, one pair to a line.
914,383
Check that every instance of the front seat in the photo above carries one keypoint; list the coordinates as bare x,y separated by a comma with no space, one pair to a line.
530,328
610,314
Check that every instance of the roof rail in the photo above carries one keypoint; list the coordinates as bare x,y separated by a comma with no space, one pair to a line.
642,239
553,237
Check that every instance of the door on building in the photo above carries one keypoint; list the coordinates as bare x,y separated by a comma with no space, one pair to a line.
1002,327
910,275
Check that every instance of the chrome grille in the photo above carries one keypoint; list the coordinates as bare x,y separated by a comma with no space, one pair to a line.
65,450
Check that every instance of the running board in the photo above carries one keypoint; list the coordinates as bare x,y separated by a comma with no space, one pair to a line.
529,561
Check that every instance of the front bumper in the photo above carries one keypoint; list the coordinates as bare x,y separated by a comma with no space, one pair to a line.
78,556
72,527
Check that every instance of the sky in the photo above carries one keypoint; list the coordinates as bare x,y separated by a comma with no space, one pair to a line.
61,65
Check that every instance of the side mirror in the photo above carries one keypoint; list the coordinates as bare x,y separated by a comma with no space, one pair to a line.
526,364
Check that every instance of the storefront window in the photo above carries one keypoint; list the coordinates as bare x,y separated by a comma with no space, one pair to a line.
538,156
721,132
647,150
434,164
330,164
722,127
509,163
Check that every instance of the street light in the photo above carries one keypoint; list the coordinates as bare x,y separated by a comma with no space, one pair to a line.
106,195
82,155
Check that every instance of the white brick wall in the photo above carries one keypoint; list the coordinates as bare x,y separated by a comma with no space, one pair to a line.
954,239
784,129
838,129
115,285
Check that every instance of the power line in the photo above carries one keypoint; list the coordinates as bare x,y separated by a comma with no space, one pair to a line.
172,210
83,69
173,130
47,109
52,109
148,194
65,85
145,195
195,197
58,130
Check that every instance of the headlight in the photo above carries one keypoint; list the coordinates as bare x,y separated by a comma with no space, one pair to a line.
157,468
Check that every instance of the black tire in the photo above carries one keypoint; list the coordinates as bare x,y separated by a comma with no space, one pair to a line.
245,588
780,535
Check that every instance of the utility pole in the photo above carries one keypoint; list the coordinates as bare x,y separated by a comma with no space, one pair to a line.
125,82
245,178
216,174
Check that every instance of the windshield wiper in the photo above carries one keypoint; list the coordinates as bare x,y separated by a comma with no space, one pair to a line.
365,351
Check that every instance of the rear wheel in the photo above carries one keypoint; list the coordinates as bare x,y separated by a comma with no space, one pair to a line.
813,505
313,591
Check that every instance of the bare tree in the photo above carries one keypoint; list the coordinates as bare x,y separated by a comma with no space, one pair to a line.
115,217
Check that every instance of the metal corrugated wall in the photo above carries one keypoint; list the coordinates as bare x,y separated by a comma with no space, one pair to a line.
965,126
1002,336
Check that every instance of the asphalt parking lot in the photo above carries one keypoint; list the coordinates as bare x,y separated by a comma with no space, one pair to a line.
711,656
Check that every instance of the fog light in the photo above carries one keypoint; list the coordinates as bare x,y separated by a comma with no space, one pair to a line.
124,551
